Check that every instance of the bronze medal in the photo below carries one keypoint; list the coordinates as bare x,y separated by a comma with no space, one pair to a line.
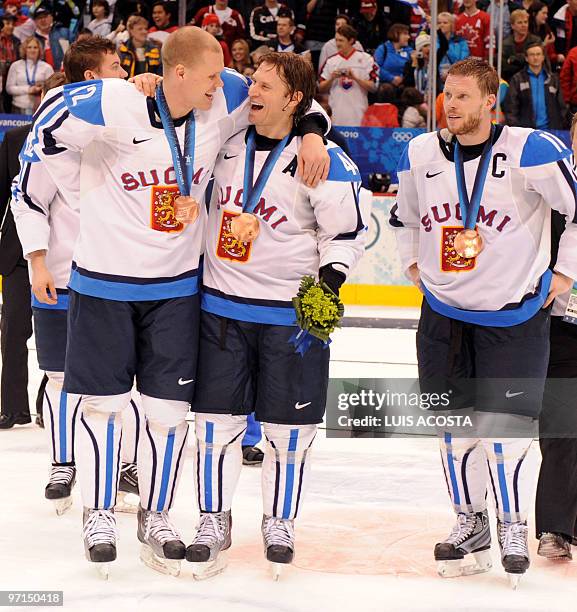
245,227
468,243
186,209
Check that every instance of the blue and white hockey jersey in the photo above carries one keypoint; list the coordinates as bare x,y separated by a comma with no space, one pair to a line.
530,173
301,229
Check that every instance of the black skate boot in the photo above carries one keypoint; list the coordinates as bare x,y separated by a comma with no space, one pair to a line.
59,487
100,536
162,548
127,495
514,549
212,539
555,547
470,535
279,542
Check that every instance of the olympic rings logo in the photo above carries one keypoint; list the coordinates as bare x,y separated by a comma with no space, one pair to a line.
402,136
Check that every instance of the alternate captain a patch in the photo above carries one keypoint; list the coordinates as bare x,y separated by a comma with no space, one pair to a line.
162,217
451,261
228,246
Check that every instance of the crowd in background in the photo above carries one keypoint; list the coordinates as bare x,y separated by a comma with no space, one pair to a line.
372,56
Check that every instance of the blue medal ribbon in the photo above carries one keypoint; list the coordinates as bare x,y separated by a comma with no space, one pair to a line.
470,208
33,81
251,194
183,162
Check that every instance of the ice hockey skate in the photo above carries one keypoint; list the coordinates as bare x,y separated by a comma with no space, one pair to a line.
279,542
514,550
127,499
207,552
162,549
99,533
471,535
59,487
554,547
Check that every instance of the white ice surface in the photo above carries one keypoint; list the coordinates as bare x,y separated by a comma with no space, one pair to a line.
365,537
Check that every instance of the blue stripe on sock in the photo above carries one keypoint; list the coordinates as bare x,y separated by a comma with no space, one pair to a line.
208,466
501,473
451,463
109,462
168,451
290,475
62,426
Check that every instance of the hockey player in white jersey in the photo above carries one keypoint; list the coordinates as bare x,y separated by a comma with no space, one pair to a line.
50,257
473,232
246,359
133,310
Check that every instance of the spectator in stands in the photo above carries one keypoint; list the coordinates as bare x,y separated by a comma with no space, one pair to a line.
330,47
211,24
474,26
138,54
320,24
66,15
515,46
262,24
24,25
416,71
506,7
163,23
392,56
25,78
451,48
9,53
101,25
538,25
52,51
348,76
259,53
534,99
564,24
383,113
240,52
370,26
285,28
231,21
407,12
568,78
414,111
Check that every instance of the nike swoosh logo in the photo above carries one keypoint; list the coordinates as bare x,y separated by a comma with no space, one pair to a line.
184,382
301,406
508,395
134,141
429,175
229,156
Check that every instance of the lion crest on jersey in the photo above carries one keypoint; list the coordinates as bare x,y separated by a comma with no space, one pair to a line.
451,261
228,246
162,217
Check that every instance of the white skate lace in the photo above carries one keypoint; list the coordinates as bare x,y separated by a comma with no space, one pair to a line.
61,474
279,532
211,528
514,539
158,526
100,528
462,529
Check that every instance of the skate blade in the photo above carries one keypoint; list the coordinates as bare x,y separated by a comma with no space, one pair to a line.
514,580
276,570
62,505
169,567
202,571
102,570
461,567
127,502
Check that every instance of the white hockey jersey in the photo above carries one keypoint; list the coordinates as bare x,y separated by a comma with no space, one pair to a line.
347,98
301,229
530,173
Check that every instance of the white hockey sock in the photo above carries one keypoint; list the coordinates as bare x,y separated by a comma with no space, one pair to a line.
285,468
218,459
99,434
465,467
161,451
513,471
60,410
132,421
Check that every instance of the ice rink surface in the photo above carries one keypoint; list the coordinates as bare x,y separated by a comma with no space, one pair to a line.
364,538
